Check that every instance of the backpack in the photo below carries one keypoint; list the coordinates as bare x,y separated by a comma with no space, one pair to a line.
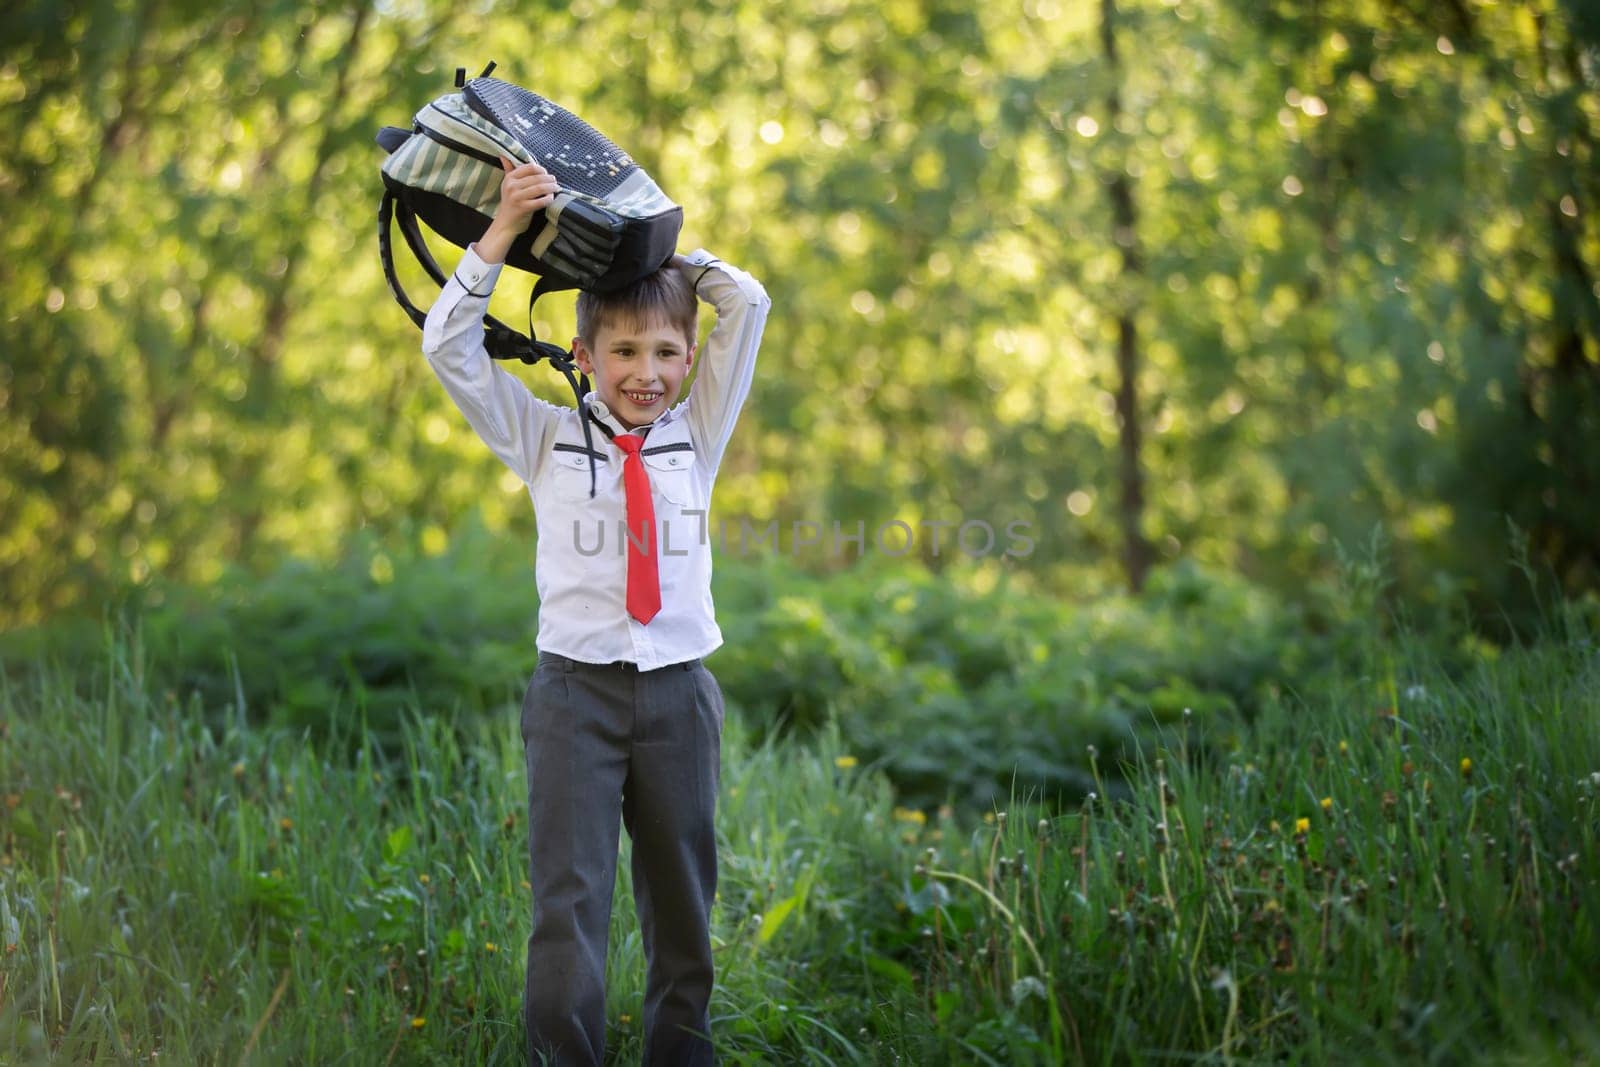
609,226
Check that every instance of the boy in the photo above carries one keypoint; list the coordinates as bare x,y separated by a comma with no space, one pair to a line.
621,719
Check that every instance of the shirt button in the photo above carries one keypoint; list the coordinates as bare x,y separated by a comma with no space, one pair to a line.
673,461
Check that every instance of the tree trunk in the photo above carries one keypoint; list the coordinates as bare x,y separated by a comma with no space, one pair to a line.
1136,553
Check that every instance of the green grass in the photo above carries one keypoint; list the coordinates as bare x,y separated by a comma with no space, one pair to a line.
227,893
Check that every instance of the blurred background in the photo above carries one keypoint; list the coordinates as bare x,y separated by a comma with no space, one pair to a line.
1225,283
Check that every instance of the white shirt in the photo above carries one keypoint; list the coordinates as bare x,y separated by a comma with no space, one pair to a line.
581,562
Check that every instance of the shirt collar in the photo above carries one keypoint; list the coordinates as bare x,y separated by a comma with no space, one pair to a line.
602,411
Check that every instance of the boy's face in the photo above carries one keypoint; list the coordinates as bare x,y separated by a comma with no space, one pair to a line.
638,368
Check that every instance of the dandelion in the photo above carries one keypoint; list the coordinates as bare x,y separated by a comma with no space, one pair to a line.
238,769
1274,826
1466,766
1327,804
286,824
423,878
625,1018
1344,748
490,946
1302,825
844,763
418,1022
913,815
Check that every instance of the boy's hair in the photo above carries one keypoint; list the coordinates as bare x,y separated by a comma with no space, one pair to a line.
664,296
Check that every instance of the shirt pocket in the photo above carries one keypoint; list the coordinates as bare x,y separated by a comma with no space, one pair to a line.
671,474
569,474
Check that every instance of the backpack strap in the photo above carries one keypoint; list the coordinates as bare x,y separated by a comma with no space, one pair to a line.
386,253
501,340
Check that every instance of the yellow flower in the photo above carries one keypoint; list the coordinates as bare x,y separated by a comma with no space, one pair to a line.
423,878
286,823
625,1018
1466,766
1344,748
490,946
418,1023
844,763
1302,825
1327,803
911,815
1274,826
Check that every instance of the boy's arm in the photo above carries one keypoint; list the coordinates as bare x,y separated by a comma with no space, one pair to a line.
514,423
727,362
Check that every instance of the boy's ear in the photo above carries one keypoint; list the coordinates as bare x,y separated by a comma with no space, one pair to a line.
580,356
694,348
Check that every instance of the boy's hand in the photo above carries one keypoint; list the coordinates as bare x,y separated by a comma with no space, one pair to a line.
524,190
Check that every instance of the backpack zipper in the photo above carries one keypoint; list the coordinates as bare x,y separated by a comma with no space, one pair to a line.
453,144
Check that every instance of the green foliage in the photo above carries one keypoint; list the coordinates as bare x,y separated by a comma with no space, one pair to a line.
443,633
957,691
1342,885
1362,271
960,694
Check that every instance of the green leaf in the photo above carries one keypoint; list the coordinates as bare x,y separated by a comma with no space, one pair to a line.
891,970
397,844
775,916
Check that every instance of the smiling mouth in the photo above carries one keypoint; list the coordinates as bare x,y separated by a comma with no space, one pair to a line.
642,399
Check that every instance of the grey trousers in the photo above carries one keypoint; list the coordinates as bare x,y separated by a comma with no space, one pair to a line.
603,743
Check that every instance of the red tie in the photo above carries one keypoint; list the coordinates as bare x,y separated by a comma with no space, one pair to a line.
644,584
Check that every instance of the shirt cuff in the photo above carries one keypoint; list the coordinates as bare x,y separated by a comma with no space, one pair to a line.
474,275
716,276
